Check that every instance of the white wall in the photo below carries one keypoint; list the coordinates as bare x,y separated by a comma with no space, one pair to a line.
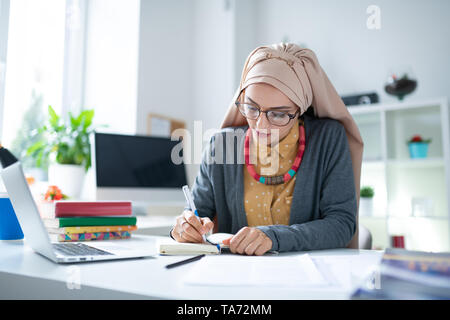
111,63
165,60
4,20
245,34
165,63
185,63
213,60
191,52
357,59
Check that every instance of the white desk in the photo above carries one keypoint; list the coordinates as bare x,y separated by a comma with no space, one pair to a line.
157,225
27,275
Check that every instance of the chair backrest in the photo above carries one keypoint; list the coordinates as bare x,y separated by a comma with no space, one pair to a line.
365,238
354,243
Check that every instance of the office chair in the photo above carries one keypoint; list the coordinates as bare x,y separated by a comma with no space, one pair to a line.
365,238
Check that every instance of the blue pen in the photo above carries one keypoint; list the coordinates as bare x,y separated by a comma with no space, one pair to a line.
188,195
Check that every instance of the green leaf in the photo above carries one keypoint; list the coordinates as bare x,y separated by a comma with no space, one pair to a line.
53,117
67,141
39,158
74,122
35,147
87,116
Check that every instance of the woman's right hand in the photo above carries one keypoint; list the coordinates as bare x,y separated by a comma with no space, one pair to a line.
190,229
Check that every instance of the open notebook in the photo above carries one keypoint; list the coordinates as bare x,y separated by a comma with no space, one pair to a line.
214,246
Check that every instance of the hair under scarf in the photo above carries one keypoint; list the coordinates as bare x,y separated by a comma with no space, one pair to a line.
296,72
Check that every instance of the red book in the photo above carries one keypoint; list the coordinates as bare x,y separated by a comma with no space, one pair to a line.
92,209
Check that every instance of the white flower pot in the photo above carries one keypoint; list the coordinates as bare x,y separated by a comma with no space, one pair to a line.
365,207
67,177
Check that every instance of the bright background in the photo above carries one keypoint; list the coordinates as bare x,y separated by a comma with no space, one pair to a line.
184,58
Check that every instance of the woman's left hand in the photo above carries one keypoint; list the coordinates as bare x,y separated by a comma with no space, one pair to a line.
249,241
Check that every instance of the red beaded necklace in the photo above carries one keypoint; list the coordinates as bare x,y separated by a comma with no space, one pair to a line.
278,179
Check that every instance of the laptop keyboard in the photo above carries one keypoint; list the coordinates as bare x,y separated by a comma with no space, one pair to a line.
78,249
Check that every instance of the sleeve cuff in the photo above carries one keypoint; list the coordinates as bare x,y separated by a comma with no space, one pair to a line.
170,234
268,231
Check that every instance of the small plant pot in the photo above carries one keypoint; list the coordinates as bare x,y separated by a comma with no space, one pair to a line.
418,150
366,206
69,178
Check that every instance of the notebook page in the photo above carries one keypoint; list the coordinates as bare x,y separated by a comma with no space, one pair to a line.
238,270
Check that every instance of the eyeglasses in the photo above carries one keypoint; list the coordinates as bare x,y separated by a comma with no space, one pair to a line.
277,118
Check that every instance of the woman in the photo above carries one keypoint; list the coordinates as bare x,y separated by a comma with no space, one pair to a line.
299,186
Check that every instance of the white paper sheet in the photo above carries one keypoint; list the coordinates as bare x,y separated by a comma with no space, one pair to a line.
237,270
346,271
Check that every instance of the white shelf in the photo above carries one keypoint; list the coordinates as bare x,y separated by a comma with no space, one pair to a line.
378,107
418,218
418,163
375,162
372,217
406,163
402,218
397,179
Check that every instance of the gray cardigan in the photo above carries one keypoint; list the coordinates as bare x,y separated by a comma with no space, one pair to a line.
323,209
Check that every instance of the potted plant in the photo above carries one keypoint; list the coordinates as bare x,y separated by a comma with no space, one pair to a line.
68,148
46,204
366,201
418,147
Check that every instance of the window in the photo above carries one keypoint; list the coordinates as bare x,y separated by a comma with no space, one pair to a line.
42,54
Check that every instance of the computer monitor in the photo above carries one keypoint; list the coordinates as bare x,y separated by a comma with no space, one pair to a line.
137,168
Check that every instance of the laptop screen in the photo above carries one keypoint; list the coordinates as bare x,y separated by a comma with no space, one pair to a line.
137,161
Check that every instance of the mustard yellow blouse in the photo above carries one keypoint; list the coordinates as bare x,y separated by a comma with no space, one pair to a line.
271,204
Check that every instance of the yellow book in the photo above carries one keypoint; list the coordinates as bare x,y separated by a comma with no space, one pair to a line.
91,229
90,236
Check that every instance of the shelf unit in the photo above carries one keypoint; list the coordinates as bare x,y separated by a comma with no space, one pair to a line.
397,179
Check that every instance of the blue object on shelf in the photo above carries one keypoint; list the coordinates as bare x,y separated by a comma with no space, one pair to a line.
418,149
9,225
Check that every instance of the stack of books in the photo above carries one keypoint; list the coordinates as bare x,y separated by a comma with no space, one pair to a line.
408,275
85,221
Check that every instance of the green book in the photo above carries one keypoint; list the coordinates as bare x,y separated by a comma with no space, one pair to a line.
89,221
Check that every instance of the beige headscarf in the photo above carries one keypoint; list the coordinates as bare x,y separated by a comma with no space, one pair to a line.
296,72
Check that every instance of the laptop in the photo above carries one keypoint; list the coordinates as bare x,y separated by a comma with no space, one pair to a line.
38,238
